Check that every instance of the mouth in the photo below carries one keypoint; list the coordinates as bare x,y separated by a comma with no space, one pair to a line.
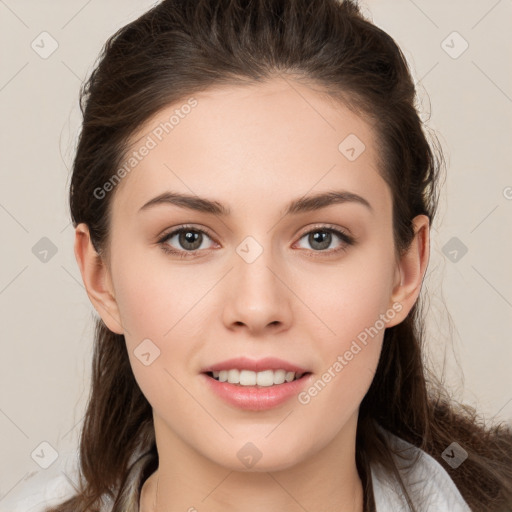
256,384
256,391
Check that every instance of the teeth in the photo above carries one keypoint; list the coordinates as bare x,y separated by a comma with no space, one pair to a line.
233,376
249,378
279,376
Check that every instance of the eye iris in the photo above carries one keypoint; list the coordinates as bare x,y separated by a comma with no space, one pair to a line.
321,237
189,237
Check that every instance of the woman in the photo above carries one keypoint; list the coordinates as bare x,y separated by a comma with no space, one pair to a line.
252,195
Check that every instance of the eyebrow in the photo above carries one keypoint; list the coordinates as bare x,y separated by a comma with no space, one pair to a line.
303,204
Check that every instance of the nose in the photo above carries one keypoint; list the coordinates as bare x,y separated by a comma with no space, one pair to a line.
258,295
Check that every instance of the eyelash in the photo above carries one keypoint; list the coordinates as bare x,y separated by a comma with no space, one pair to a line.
346,239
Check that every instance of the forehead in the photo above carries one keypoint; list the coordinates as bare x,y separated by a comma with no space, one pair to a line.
273,141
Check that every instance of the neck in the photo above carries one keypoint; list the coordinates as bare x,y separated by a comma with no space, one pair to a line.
328,481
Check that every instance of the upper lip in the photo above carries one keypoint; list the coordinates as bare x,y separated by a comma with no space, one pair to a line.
244,363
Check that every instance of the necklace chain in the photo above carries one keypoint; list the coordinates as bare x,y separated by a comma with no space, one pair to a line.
156,494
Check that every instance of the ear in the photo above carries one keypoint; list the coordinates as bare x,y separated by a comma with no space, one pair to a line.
410,270
97,279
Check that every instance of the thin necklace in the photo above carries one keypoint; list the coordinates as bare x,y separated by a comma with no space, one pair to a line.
156,494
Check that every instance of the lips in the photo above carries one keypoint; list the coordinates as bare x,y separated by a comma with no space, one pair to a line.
256,398
252,396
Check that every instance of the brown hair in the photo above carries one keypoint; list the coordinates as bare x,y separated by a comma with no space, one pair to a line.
181,47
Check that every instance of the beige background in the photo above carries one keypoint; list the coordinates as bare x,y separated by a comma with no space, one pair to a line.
46,317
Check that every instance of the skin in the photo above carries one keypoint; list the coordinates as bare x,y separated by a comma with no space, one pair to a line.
253,148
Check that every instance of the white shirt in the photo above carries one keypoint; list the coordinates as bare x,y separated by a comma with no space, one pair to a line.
428,484
428,478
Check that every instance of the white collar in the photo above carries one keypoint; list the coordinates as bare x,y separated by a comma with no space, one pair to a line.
429,485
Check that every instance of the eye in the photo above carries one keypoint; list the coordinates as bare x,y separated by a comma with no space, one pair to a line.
189,240
321,239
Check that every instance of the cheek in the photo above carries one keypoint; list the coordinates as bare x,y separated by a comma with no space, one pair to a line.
353,306
349,355
349,297
154,296
161,302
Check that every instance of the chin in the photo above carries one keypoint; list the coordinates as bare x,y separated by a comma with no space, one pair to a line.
259,457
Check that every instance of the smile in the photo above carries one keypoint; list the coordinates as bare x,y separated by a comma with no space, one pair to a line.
253,396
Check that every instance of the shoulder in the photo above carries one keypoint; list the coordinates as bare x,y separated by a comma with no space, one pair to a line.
40,489
429,485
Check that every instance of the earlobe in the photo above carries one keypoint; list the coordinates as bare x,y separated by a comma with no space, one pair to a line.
97,279
411,269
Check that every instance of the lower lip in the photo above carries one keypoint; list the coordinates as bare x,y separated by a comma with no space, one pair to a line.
254,398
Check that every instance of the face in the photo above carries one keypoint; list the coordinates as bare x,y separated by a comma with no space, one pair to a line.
313,287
